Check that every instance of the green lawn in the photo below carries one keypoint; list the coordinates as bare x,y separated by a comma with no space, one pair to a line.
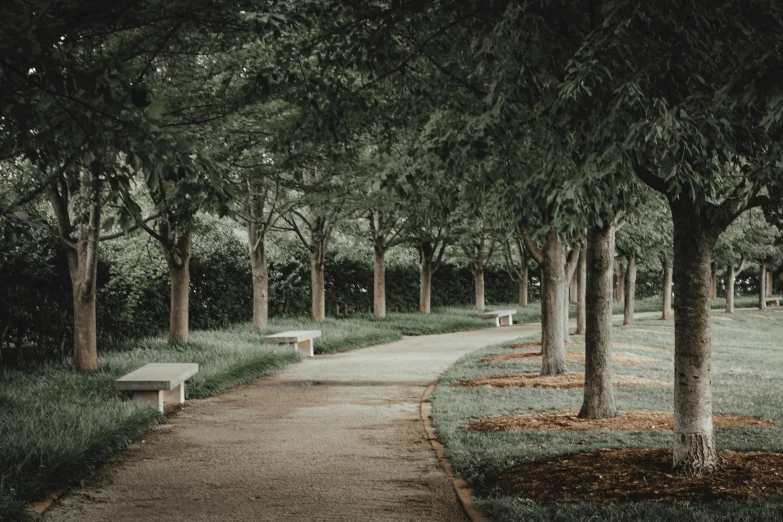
747,358
57,426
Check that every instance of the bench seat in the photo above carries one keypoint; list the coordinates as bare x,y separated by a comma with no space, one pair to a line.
300,340
158,383
771,300
501,317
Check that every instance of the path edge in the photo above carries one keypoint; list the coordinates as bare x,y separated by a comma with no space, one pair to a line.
464,493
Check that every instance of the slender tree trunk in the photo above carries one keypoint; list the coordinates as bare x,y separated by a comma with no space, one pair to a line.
714,281
667,293
552,302
178,260
318,283
762,286
730,278
425,285
599,387
85,345
573,290
379,284
620,290
523,286
630,291
770,280
581,301
566,311
695,452
260,278
478,278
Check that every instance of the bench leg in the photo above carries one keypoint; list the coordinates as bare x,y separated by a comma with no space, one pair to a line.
506,320
152,397
497,322
175,395
305,348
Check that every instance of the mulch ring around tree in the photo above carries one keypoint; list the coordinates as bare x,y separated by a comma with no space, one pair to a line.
632,420
635,475
627,346
572,356
563,380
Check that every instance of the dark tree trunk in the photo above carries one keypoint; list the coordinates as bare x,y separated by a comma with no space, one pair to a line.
762,286
425,285
695,452
770,281
630,291
178,259
730,278
379,284
260,277
318,281
599,387
620,290
581,281
523,287
573,290
553,301
714,282
667,293
478,278
83,271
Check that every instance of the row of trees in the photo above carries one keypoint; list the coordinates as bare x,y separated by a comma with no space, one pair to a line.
547,122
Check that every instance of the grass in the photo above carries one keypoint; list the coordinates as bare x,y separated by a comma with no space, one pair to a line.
58,426
746,355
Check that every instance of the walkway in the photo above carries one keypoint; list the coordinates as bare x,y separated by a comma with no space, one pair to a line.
335,438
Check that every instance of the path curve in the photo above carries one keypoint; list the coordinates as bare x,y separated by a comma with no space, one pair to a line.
335,438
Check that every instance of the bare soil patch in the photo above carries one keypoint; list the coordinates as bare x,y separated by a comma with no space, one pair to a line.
563,380
636,475
631,420
572,356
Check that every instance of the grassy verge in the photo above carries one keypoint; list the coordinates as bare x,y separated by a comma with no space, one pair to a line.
746,353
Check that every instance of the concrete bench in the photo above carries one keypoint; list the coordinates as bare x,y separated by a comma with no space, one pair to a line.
774,301
301,340
501,317
158,383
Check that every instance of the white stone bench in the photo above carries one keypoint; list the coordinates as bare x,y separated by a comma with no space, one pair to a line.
774,301
501,317
158,383
301,340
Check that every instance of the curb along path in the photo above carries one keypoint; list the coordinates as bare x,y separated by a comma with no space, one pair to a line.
338,437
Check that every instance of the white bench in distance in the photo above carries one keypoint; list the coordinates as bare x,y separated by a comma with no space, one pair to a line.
501,317
158,383
301,340
771,300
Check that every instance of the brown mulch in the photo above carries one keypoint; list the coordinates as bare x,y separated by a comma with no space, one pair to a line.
563,380
572,356
636,475
631,420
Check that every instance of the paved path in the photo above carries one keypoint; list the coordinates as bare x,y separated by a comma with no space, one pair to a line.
335,438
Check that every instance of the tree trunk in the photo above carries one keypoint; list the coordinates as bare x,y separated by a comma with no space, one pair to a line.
478,278
566,310
379,284
713,282
425,285
620,290
762,286
82,270
667,293
695,452
599,387
630,291
770,281
581,279
318,283
730,278
260,278
552,302
178,260
523,287
573,290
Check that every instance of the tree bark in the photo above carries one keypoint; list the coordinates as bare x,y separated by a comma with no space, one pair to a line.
553,301
667,293
83,270
425,285
523,286
620,290
581,301
379,284
630,291
599,387
730,278
318,282
770,281
762,286
260,277
695,452
573,290
714,281
178,259
478,278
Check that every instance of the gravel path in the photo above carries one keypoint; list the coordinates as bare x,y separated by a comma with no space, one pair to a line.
337,437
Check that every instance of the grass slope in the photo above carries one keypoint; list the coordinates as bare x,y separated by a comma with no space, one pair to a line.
746,355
